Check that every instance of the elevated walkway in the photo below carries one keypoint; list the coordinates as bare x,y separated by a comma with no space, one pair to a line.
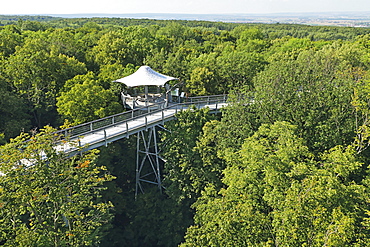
109,129
142,122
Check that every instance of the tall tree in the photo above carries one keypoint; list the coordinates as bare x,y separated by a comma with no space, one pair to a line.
14,114
48,199
37,75
85,100
183,168
10,38
129,45
313,92
277,193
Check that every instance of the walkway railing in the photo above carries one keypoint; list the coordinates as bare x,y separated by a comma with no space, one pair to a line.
141,113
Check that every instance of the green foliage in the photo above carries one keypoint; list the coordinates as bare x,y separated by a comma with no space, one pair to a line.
311,92
238,122
48,199
109,73
216,73
257,188
252,40
9,40
14,114
360,102
201,82
208,146
86,100
210,58
238,68
185,174
155,210
130,45
37,75
152,219
277,193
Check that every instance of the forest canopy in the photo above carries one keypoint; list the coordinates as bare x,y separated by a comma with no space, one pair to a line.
285,164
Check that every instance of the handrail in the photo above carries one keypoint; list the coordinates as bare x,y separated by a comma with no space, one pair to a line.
121,118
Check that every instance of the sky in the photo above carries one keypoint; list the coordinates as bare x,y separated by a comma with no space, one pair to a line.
30,7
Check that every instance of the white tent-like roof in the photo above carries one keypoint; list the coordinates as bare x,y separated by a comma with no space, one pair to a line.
145,76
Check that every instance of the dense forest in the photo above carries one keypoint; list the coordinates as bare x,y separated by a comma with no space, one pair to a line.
285,164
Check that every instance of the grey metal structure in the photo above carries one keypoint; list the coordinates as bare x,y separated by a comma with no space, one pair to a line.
142,122
147,160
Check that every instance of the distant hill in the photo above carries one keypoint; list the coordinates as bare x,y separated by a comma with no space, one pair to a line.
324,18
349,19
27,17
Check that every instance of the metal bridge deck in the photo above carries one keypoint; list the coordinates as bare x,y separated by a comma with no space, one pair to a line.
103,131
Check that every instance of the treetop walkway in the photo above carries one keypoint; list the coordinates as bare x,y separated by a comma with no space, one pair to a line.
143,123
109,129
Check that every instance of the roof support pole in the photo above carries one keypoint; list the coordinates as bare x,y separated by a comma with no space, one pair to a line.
146,95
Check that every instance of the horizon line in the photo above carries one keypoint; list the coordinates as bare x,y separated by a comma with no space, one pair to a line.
193,14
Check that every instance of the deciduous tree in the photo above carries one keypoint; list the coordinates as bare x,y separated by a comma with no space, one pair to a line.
85,100
48,199
277,193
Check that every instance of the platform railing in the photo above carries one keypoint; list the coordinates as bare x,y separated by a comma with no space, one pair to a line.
143,113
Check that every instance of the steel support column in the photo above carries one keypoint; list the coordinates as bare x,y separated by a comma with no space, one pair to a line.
147,160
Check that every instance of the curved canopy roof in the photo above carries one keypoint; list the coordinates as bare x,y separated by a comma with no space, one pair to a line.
145,76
